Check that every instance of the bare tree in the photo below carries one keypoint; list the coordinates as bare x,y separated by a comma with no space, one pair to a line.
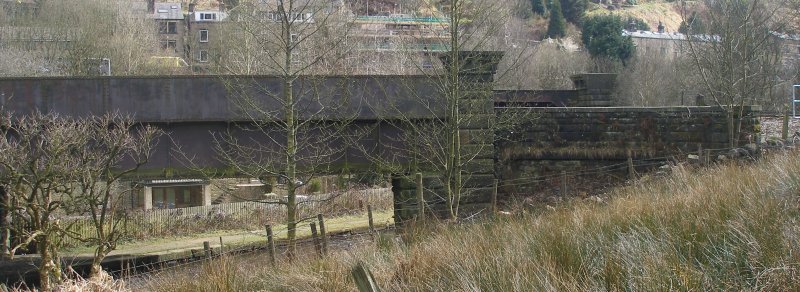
547,65
655,79
37,172
95,30
737,60
17,63
451,131
294,118
56,166
117,147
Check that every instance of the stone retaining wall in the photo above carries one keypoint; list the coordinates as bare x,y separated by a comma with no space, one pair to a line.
583,139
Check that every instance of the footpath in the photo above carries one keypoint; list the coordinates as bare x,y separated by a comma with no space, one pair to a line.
164,250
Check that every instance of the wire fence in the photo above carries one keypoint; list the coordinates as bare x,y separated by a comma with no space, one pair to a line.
375,197
576,182
250,215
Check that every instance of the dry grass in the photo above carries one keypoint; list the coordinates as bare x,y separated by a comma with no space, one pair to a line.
650,11
102,283
732,227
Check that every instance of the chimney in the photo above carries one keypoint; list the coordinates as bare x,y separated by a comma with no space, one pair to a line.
660,27
221,6
191,7
151,6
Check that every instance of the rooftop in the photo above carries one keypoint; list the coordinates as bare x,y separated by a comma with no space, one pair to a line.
168,10
655,35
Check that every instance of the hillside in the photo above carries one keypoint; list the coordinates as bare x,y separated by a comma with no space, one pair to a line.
729,227
651,12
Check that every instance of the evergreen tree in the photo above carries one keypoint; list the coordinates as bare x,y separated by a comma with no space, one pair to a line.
573,9
556,28
538,7
602,37
634,23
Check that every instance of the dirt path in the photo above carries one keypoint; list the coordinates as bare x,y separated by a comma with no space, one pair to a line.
232,239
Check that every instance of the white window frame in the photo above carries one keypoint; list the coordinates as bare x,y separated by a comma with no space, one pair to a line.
208,16
203,40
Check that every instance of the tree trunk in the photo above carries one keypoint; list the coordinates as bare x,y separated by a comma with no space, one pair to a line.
731,129
5,232
50,269
99,254
291,131
291,169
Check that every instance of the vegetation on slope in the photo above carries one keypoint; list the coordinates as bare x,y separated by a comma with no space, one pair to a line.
731,227
652,12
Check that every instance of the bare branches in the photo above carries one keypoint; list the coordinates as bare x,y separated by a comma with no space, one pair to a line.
738,58
60,166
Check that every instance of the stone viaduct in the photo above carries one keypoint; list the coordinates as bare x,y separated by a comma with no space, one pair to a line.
574,131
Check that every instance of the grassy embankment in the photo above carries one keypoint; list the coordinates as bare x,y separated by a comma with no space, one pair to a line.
731,227
650,11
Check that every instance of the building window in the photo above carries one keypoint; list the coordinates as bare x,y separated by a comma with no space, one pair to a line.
169,27
203,56
275,16
208,16
177,197
203,35
171,45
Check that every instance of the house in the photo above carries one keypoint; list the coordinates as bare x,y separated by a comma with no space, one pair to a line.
401,32
172,193
12,9
667,44
789,46
379,39
203,27
171,27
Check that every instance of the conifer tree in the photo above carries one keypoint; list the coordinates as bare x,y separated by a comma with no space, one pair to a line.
556,28
538,7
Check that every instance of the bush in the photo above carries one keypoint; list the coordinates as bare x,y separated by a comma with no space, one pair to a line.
314,186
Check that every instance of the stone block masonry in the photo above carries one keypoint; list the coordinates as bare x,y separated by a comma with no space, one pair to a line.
576,139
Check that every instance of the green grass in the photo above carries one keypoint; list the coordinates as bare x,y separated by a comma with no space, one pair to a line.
730,227
236,238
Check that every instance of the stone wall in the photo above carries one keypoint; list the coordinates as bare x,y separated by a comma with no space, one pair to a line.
474,124
598,140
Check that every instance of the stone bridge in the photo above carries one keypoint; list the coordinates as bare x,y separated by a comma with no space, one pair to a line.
585,134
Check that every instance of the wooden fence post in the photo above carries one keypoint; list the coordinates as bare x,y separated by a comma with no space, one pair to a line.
369,216
631,169
494,197
270,245
364,279
322,234
707,156
420,198
317,245
785,127
700,153
221,247
207,249
563,183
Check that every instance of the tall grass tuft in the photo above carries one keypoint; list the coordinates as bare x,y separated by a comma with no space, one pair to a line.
728,227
